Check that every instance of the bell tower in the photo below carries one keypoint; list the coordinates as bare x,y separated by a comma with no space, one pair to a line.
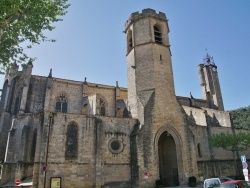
149,65
210,83
152,100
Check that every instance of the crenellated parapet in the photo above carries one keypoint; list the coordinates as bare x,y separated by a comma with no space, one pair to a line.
145,13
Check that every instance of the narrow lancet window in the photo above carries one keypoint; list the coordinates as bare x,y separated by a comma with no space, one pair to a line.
71,142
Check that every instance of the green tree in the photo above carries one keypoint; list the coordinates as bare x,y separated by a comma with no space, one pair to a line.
241,117
22,24
231,142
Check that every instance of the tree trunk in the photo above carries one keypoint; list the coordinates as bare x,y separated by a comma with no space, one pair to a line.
237,170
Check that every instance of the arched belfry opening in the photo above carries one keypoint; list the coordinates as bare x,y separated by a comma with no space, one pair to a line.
168,166
129,40
158,34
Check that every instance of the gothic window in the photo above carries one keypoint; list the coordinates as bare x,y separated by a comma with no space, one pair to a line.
17,103
199,149
71,142
129,41
121,109
61,103
157,34
33,147
102,107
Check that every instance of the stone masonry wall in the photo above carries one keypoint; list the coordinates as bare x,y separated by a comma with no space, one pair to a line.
36,94
73,90
95,164
212,161
19,152
191,102
218,118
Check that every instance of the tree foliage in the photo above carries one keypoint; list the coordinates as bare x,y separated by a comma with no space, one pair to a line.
22,24
231,142
241,117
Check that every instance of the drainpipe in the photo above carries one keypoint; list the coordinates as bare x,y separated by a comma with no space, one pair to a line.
7,146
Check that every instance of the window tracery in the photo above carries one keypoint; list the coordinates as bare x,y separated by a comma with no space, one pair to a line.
61,103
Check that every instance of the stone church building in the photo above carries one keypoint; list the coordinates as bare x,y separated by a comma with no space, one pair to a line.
59,133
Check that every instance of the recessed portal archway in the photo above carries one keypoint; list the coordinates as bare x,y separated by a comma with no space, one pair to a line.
168,166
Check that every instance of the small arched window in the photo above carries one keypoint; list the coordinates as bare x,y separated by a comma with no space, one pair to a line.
61,103
71,142
157,34
33,147
129,41
102,107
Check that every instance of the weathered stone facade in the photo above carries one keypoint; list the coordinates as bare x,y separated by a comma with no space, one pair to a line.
92,135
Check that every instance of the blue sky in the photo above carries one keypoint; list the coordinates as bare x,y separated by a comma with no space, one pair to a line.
90,43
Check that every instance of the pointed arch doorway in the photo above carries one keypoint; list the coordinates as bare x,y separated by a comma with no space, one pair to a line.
168,167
